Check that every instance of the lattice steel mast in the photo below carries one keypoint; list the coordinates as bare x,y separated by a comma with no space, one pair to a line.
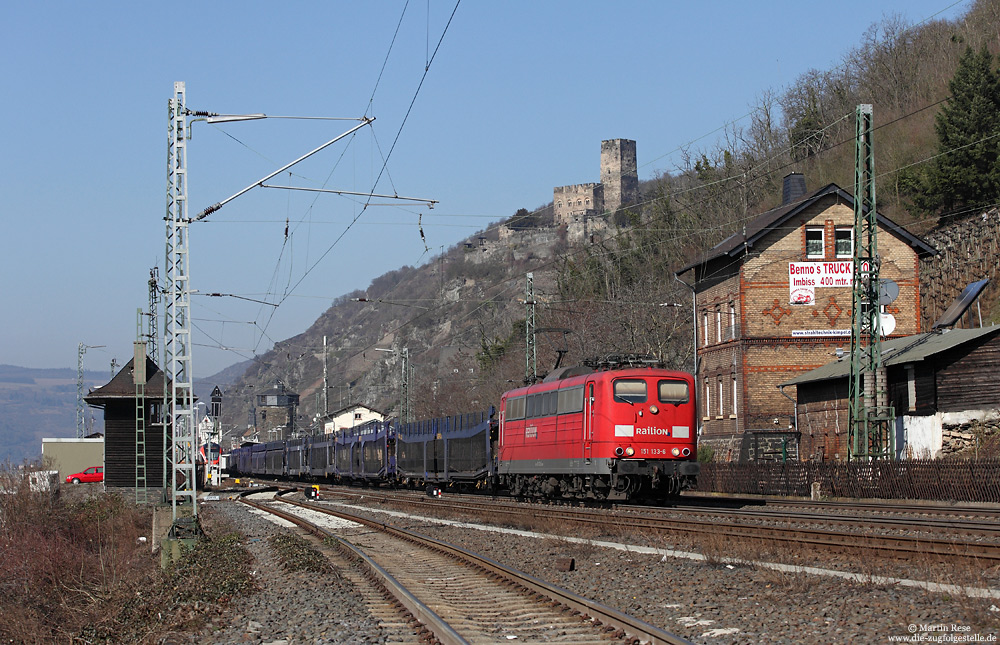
81,408
872,419
154,299
178,383
530,354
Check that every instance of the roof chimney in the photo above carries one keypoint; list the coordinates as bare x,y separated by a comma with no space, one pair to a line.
793,187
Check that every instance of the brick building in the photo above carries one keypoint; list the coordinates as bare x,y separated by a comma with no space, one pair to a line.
774,301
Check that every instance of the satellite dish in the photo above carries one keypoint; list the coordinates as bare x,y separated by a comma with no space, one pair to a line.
888,291
888,323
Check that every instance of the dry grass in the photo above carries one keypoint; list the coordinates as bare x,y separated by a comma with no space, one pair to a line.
74,571
65,564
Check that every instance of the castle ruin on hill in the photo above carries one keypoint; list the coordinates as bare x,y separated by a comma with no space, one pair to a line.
583,207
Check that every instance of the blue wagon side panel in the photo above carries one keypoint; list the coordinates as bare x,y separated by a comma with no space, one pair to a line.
448,449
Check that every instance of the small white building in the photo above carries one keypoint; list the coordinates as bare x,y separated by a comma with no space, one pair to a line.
348,417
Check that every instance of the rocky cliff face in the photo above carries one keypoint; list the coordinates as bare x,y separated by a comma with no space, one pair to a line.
443,313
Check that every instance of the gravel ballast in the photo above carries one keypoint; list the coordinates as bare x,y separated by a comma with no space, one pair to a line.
704,601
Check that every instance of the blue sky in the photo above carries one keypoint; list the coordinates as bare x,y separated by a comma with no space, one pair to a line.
517,100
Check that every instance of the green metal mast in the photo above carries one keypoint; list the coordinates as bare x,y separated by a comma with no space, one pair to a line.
530,356
872,419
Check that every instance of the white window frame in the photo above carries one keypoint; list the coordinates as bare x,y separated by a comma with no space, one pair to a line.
707,409
850,253
736,406
718,324
722,400
822,242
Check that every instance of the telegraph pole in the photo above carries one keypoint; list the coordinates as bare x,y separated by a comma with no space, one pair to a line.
872,422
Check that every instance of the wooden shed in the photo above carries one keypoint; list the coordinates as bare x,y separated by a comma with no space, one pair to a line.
119,400
937,381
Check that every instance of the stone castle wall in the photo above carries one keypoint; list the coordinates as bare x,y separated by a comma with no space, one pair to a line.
573,203
619,185
619,173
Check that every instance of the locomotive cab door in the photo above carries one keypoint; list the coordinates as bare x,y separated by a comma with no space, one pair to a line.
588,421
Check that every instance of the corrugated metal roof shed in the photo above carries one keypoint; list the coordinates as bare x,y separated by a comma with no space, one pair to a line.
897,351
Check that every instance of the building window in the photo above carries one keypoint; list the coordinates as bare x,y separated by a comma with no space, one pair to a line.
707,407
732,321
844,242
704,325
718,325
735,399
814,243
721,399
357,416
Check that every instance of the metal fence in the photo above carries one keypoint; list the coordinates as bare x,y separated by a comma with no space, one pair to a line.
943,480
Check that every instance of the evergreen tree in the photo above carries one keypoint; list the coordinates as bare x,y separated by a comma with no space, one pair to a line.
967,172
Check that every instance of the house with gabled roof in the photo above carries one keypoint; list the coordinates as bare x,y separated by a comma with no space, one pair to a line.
347,417
121,401
774,301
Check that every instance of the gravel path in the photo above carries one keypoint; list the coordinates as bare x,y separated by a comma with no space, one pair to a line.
702,601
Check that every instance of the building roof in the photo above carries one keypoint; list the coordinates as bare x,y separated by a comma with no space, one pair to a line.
348,408
122,387
278,389
899,351
739,243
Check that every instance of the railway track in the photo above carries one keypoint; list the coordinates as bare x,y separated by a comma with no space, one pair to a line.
459,597
901,538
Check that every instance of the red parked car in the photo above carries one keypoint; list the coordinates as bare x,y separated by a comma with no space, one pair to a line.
92,474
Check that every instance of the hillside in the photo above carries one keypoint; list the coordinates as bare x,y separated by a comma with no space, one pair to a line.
462,315
39,403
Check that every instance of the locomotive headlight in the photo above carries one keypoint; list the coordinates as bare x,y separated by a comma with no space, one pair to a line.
619,451
653,409
629,451
676,452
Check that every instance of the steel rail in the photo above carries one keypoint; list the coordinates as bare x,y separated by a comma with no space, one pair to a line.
433,623
897,544
629,626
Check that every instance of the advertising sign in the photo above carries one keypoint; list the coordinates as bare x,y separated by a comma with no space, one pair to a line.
805,277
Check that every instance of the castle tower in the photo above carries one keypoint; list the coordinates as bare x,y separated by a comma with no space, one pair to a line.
619,174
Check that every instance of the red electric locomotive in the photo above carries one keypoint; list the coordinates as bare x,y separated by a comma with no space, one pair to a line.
618,434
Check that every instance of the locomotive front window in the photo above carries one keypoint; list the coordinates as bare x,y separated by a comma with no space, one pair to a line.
672,392
631,390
